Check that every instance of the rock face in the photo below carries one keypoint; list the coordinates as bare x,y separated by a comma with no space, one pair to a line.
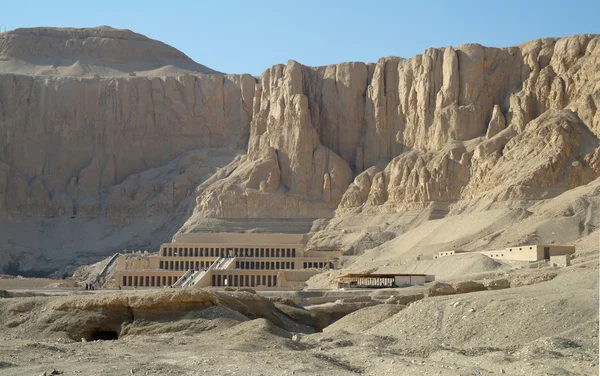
94,317
288,172
540,96
103,123
67,141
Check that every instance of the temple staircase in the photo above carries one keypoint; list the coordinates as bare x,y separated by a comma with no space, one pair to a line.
184,279
197,276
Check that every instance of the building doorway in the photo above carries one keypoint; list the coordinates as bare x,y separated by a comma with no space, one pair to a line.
546,253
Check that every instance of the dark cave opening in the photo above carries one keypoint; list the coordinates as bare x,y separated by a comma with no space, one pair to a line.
103,335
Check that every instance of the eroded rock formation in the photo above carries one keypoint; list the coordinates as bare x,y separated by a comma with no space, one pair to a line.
533,103
66,141
123,126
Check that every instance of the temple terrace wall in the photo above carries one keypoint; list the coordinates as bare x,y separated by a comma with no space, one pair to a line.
240,260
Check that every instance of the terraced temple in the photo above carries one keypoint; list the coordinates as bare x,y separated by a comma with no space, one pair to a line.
239,260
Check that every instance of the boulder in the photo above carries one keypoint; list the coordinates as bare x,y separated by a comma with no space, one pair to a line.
526,280
404,299
497,284
441,288
468,286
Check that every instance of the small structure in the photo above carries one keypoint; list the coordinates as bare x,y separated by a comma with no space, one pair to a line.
560,261
521,253
530,252
448,253
383,280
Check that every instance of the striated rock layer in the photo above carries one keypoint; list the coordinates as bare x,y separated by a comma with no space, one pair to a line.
108,125
452,124
66,140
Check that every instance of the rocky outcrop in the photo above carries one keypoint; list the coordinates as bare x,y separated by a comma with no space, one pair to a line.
404,299
440,289
547,157
288,172
412,180
533,103
465,287
497,123
97,316
497,284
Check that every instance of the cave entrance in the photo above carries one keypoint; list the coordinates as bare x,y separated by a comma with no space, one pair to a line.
103,335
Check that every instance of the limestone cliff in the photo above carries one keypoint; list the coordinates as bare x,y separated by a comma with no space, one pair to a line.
114,150
67,140
109,126
288,172
433,128
535,104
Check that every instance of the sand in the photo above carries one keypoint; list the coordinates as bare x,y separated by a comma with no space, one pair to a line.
545,328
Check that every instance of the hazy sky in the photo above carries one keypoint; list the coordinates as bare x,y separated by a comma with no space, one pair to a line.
250,36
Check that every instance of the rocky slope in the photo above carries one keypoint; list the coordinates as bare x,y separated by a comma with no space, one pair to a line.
128,141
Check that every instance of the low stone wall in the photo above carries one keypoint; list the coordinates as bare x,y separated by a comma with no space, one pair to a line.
560,261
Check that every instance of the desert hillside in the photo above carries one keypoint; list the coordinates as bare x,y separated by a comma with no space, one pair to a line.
529,322
98,52
111,141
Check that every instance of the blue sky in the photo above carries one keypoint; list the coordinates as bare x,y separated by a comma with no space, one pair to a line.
250,36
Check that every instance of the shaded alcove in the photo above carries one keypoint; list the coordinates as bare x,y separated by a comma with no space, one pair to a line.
102,335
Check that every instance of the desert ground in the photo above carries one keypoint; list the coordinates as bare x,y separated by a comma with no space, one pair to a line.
529,321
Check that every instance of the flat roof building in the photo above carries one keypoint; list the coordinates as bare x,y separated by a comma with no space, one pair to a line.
383,280
532,252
